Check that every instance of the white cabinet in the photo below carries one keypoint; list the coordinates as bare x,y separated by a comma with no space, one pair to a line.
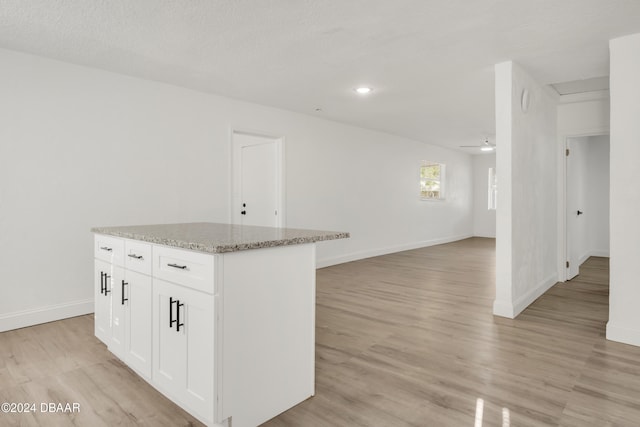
108,253
192,269
183,336
123,300
109,249
118,320
137,299
102,301
228,337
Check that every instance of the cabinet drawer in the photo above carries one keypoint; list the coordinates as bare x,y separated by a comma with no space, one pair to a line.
191,269
109,249
137,256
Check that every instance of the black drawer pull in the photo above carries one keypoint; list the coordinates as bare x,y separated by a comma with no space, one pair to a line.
106,288
171,320
123,299
135,256
177,319
178,316
181,267
105,248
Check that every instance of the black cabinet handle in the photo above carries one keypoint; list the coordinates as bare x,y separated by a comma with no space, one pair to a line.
102,286
243,212
178,316
580,212
105,248
177,319
123,299
171,320
181,267
135,256
106,288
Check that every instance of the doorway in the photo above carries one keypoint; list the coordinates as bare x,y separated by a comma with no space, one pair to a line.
256,180
586,200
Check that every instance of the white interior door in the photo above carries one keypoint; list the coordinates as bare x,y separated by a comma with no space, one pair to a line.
256,180
573,177
587,200
577,231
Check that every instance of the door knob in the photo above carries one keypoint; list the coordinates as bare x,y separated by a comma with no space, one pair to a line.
580,212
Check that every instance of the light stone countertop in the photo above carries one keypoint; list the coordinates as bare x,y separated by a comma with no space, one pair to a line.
219,238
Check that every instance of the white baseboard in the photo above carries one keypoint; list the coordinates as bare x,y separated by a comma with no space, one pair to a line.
604,254
486,236
511,310
583,258
503,309
593,253
623,334
327,262
36,316
525,300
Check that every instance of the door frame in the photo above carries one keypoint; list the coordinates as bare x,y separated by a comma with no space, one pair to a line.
235,173
563,255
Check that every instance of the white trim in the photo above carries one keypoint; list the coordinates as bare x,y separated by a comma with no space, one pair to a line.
584,96
623,334
563,256
509,310
583,258
354,256
503,309
589,254
281,174
36,316
525,300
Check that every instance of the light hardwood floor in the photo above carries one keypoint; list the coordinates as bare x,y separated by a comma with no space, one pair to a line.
406,339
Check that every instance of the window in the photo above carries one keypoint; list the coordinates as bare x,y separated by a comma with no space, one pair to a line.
493,189
431,181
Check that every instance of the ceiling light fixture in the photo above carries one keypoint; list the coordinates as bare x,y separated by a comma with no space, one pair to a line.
486,148
363,90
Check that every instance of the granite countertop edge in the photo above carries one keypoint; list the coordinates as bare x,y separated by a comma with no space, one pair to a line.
218,248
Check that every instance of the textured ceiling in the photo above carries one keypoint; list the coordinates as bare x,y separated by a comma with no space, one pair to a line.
429,61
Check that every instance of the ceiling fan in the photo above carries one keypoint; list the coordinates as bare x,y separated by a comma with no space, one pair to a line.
485,146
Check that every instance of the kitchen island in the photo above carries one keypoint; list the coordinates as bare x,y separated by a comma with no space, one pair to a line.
219,318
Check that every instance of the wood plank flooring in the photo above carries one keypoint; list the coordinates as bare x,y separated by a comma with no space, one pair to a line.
406,339
63,362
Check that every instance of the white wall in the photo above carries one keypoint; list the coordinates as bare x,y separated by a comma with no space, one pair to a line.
583,118
624,292
526,247
484,219
81,147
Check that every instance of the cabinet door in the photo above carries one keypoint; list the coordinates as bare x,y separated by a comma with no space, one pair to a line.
184,359
137,299
102,309
118,312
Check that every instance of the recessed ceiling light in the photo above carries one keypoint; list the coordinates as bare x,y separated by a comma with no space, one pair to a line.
363,90
486,148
